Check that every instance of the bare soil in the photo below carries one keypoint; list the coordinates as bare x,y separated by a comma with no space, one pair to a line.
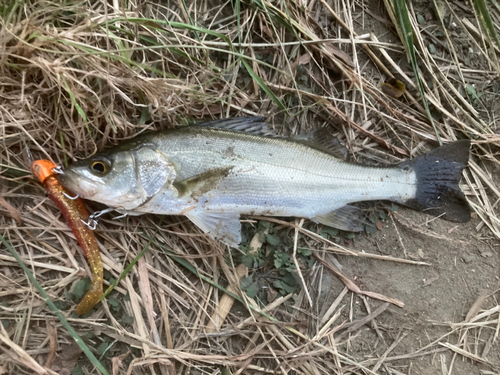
463,267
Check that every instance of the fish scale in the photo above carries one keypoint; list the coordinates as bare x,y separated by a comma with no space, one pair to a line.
302,182
213,174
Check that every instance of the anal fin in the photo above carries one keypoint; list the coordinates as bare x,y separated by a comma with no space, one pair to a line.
348,218
223,226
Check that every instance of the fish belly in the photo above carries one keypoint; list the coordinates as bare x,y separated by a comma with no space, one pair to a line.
277,192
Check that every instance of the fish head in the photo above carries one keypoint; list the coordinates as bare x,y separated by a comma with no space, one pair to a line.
122,180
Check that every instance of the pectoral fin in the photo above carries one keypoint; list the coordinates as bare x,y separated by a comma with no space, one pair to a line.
223,226
198,185
348,218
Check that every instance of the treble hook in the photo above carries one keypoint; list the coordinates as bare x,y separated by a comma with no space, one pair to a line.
97,214
91,224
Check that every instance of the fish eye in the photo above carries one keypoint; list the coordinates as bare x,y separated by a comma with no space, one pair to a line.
100,167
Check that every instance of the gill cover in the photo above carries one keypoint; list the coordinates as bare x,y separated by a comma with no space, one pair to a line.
153,170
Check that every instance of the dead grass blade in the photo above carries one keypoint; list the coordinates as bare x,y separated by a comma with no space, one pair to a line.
354,288
57,312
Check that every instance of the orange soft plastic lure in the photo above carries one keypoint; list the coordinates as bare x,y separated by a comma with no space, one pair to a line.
75,213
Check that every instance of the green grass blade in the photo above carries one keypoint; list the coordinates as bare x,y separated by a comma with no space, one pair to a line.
486,20
56,311
14,171
262,85
79,109
288,24
190,268
403,19
129,267
156,24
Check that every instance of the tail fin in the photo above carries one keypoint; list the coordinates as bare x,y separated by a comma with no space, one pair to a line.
438,174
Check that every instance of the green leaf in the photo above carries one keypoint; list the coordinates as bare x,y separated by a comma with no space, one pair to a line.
278,284
290,279
127,319
252,290
284,287
273,239
101,349
371,229
280,259
304,251
289,288
115,304
470,90
89,335
382,214
246,282
61,305
81,287
247,260
326,231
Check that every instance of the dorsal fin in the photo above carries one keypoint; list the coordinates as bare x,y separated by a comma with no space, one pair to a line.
253,125
321,139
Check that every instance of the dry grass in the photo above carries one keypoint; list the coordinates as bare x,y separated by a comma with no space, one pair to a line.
76,76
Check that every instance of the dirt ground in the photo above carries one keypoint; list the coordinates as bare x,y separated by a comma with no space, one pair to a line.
463,267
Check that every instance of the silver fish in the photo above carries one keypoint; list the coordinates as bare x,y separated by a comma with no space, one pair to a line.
214,172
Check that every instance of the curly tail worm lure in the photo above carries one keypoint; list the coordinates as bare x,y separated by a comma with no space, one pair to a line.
78,219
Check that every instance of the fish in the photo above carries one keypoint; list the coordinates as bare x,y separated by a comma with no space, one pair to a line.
214,172
76,215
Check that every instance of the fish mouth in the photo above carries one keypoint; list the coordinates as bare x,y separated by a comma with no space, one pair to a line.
74,182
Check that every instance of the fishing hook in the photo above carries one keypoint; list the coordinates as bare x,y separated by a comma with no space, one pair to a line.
91,224
58,170
121,216
97,214
70,197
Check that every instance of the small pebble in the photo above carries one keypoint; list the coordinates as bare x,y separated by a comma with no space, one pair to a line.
467,258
